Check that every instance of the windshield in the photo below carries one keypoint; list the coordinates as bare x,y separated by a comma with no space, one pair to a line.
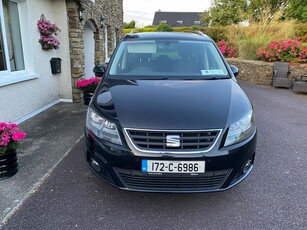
169,59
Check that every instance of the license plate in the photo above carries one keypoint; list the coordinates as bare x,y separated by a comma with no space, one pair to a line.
153,166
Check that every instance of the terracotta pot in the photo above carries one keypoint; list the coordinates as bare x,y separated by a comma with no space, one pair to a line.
8,164
87,97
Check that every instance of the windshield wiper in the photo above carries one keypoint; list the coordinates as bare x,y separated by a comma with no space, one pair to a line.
213,78
153,78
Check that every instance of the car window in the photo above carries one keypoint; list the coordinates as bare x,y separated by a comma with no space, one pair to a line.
167,58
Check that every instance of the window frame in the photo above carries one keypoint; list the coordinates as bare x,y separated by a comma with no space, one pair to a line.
8,77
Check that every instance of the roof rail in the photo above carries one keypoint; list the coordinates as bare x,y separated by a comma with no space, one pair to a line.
131,34
198,32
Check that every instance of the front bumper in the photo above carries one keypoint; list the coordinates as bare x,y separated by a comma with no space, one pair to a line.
118,166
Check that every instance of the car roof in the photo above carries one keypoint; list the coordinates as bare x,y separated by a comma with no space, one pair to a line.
197,36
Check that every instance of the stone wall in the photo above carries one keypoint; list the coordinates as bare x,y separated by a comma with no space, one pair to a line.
112,13
261,73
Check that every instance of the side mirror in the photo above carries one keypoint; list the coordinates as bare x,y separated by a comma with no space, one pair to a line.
234,70
99,70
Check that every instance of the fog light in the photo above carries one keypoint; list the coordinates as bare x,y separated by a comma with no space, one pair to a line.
247,166
96,166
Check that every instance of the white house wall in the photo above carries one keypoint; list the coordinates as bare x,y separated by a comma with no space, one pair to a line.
23,98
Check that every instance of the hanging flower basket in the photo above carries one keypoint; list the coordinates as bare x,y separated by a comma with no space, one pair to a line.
47,30
49,42
47,47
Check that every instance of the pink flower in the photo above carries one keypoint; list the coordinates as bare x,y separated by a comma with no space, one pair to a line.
18,136
88,84
228,48
2,126
287,50
4,139
9,136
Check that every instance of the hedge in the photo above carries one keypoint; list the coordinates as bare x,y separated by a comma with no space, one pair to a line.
220,33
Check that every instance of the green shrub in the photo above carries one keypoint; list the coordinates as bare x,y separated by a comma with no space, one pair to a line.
216,33
163,27
153,29
300,29
182,29
249,38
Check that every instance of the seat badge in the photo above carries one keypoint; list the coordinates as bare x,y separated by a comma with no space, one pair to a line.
173,141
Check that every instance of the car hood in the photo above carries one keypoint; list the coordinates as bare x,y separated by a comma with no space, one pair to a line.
172,104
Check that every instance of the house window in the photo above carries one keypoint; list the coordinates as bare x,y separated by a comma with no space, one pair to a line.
2,51
11,52
163,21
197,23
180,22
16,58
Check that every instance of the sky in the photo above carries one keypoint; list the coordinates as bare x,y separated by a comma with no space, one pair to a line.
142,11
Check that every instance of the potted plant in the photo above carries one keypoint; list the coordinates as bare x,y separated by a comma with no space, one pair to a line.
49,42
46,27
9,140
88,86
47,30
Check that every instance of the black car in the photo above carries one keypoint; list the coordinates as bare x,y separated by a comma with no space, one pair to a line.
169,116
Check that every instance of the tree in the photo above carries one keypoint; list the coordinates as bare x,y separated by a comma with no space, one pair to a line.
205,18
226,12
296,9
129,25
266,10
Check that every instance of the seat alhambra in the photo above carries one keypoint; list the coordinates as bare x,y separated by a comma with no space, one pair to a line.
169,116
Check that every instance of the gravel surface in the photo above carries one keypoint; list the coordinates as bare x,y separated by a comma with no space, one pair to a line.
272,197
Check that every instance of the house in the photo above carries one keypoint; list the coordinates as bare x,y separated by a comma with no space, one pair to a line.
90,30
178,19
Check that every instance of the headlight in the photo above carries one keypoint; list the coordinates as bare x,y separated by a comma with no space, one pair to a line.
102,128
241,129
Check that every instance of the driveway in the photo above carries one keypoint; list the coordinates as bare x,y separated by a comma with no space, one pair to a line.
272,197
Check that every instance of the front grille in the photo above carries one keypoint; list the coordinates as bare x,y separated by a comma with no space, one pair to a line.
157,140
172,182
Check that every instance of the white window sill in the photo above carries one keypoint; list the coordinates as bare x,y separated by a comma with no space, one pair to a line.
13,79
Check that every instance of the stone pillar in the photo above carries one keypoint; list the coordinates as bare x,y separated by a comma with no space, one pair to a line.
112,11
76,47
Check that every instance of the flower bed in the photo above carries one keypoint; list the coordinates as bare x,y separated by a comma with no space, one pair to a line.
285,51
228,48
